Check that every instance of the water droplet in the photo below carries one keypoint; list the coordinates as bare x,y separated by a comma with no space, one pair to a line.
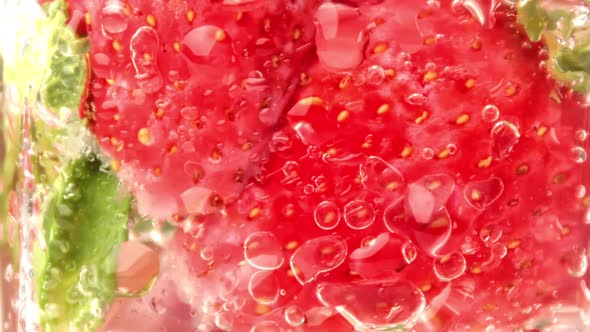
266,327
579,155
394,217
450,267
490,233
481,194
207,44
359,214
576,262
317,256
264,287
427,153
416,99
482,10
375,305
409,251
452,149
340,37
428,194
505,136
228,283
432,235
375,75
384,251
380,177
115,17
499,250
207,253
580,191
490,113
224,321
144,48
581,135
294,316
327,215
263,251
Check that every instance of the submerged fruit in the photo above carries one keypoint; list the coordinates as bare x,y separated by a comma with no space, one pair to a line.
186,135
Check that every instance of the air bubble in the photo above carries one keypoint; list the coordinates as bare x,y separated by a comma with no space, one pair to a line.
327,215
263,251
114,17
427,153
264,287
224,321
490,113
375,75
576,262
410,252
581,135
416,99
294,316
490,233
450,267
579,155
207,254
317,256
359,214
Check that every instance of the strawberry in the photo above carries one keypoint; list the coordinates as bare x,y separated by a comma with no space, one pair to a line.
186,135
431,181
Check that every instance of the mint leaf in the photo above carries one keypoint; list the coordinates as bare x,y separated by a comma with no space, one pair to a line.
564,27
84,222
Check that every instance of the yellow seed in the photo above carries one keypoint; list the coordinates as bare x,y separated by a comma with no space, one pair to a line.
254,213
159,113
443,154
565,231
389,73
445,259
343,116
586,201
253,245
176,46
246,146
173,149
87,18
383,109
110,81
239,16
344,82
485,163
380,48
147,57
513,244
522,169
117,117
407,151
475,269
462,119
293,270
220,35
470,83
439,223
115,165
275,61
310,101
327,250
422,117
430,76
476,195
151,20
426,287
117,45
489,307
393,185
262,309
296,34
190,15
144,136
350,297
291,245
430,40
304,79
541,131
215,155
330,218
157,171
510,91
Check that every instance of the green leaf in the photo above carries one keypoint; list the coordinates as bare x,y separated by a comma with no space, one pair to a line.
564,27
84,222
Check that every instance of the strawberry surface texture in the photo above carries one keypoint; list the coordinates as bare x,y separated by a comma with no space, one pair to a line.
377,165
